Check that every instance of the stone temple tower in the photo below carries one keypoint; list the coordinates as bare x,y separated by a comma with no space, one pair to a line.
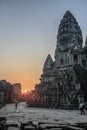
64,80
69,42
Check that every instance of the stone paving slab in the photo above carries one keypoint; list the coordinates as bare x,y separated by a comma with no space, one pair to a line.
29,128
62,129
57,126
13,128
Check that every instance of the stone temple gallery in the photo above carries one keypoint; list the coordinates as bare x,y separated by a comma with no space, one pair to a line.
63,83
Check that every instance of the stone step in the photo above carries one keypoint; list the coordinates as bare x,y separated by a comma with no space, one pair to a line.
55,129
2,118
59,127
29,128
30,125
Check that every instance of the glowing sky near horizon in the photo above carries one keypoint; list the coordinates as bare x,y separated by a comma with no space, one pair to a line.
28,30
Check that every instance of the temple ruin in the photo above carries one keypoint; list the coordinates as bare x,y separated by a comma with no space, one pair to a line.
63,83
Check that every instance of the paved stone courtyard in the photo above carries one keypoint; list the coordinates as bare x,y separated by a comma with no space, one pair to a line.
36,116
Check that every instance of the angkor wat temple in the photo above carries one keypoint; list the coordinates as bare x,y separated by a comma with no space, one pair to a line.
63,83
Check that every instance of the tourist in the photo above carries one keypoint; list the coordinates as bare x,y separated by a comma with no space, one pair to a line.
82,108
16,104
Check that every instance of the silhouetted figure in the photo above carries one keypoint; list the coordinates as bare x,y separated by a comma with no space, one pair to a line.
16,104
82,108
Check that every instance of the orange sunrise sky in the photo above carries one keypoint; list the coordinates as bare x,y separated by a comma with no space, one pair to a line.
28,31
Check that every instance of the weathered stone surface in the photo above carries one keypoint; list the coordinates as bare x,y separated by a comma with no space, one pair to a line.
13,128
12,123
55,129
57,126
74,128
83,125
29,128
28,125
2,118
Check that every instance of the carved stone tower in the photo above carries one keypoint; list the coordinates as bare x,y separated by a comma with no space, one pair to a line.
69,42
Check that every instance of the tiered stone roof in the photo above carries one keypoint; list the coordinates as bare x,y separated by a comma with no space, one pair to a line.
68,27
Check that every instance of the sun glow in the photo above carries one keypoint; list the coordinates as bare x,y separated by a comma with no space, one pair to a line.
24,91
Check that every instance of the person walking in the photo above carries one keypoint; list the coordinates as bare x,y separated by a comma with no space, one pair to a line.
82,108
16,104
